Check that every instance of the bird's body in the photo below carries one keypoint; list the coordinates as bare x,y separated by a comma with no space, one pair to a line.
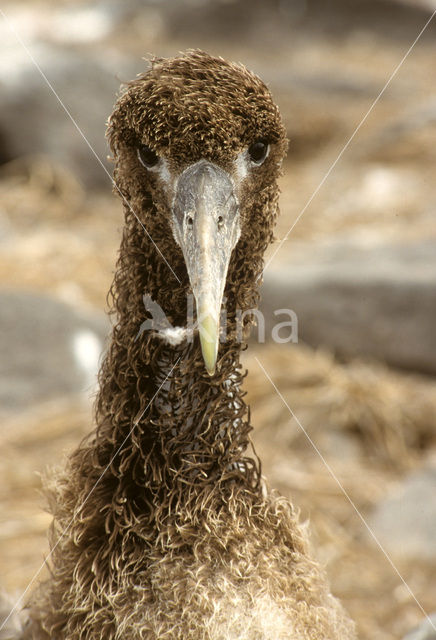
162,525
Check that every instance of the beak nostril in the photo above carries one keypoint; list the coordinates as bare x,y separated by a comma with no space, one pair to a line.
220,221
190,221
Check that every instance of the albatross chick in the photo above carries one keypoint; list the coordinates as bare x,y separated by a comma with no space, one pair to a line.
163,528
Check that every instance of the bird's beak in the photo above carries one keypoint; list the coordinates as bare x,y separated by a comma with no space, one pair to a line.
206,226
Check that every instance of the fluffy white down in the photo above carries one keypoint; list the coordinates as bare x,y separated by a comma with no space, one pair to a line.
173,335
242,619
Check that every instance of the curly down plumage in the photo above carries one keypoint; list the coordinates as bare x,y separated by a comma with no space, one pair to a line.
162,525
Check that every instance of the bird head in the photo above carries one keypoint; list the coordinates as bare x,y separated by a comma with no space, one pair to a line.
201,140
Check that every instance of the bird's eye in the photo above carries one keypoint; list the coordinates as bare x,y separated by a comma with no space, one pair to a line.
258,151
147,156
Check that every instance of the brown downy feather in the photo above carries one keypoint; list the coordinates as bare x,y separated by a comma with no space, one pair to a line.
162,527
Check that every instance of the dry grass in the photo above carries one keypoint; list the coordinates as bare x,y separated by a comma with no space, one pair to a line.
371,426
381,414
32,443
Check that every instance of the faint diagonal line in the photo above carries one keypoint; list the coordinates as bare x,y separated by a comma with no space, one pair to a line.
91,148
136,421
350,139
344,491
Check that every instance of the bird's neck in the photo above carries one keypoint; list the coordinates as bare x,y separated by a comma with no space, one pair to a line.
168,423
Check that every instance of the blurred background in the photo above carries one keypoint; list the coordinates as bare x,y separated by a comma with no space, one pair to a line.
358,268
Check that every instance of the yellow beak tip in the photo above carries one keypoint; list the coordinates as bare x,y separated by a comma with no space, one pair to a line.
209,343
209,357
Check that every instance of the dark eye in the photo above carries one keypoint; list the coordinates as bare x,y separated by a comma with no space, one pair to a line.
147,156
258,151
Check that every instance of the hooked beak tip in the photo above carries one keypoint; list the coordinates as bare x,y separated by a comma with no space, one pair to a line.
209,342
211,372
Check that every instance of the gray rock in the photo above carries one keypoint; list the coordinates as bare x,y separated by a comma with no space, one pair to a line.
425,631
240,19
32,120
47,349
359,300
408,136
405,521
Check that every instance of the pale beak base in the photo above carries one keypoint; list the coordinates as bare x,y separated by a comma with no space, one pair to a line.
205,218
